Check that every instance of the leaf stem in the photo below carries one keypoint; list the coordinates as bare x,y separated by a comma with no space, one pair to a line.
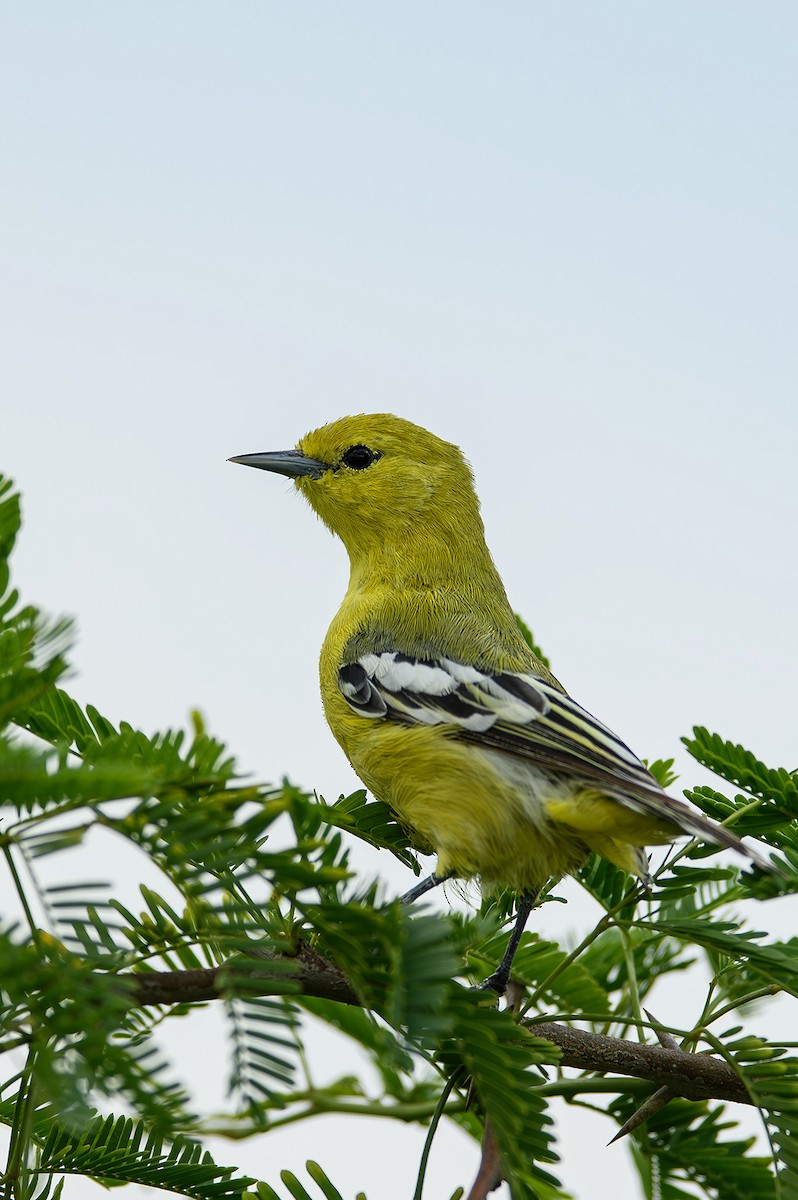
448,1088
21,1126
321,1106
631,975
605,923
23,899
770,989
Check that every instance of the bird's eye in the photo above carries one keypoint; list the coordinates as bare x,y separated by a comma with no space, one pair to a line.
359,457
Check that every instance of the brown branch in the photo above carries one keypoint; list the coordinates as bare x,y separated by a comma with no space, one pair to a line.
657,1100
695,1076
306,972
489,1175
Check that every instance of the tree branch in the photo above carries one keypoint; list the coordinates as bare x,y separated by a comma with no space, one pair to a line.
306,972
694,1076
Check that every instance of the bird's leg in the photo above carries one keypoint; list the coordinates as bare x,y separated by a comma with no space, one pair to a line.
421,889
497,982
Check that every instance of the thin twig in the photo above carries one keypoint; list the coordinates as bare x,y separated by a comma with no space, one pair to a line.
489,1175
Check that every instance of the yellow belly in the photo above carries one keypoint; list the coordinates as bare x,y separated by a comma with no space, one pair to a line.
454,799
484,812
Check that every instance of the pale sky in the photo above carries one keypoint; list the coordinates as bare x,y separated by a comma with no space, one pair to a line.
562,236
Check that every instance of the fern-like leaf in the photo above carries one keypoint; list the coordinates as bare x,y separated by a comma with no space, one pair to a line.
739,766
498,1054
372,822
265,1051
118,1150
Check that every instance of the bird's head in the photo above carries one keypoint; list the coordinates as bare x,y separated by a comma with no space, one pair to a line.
376,479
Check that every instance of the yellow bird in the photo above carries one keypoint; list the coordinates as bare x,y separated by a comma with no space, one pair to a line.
435,697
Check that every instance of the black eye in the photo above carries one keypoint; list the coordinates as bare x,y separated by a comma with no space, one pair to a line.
359,457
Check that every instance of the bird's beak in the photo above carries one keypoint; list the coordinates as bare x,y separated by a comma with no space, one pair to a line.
284,462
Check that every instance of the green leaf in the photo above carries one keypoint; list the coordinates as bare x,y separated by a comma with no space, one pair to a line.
653,957
295,1189
10,519
607,883
739,766
399,964
498,1054
117,1150
373,822
575,988
529,638
32,647
688,1143
266,1049
776,962
662,770
422,976
772,1081
32,779
32,656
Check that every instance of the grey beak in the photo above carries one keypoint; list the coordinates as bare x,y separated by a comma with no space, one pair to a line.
284,462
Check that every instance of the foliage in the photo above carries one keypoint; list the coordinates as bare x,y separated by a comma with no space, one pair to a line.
253,874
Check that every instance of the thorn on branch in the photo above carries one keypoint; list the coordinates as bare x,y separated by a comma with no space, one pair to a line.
648,1109
663,1037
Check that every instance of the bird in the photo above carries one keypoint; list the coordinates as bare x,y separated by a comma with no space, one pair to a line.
442,708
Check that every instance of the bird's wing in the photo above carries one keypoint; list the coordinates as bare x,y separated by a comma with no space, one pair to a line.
522,715
512,711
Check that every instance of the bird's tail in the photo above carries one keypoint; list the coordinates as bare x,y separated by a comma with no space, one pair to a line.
689,820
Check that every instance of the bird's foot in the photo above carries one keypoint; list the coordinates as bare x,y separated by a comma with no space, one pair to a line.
496,983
